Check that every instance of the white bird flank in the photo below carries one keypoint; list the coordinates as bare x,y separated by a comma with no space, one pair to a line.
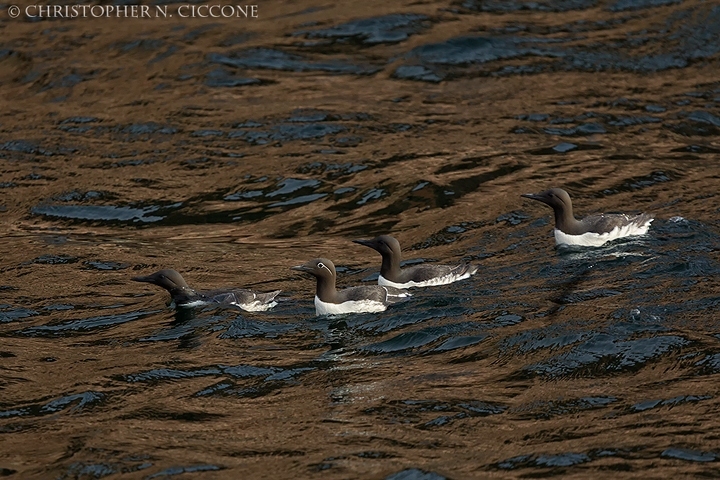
351,306
254,306
591,239
358,306
433,282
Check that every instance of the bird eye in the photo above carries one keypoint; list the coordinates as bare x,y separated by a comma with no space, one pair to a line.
320,265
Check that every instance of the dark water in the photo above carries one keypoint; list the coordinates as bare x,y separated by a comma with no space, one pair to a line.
232,149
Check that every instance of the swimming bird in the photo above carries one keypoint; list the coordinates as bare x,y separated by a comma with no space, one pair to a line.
414,276
185,297
593,230
329,301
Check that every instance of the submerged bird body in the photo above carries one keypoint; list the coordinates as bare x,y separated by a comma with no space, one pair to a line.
593,230
364,299
186,297
415,276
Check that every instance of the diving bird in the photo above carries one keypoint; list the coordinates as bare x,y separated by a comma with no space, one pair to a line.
185,297
329,301
414,276
593,230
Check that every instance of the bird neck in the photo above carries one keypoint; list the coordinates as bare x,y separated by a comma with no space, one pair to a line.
183,291
325,288
564,219
390,265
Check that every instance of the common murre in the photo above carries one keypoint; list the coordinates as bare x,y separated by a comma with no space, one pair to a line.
329,301
593,230
413,276
185,297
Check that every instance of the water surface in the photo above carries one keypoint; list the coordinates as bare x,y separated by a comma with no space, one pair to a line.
231,150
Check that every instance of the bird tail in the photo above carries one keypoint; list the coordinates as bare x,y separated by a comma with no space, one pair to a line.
468,269
645,218
643,221
268,297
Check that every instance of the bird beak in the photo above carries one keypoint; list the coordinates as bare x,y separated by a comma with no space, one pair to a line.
142,279
537,196
301,268
367,243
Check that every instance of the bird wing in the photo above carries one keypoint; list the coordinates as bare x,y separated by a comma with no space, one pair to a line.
395,295
240,296
608,221
422,273
373,293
